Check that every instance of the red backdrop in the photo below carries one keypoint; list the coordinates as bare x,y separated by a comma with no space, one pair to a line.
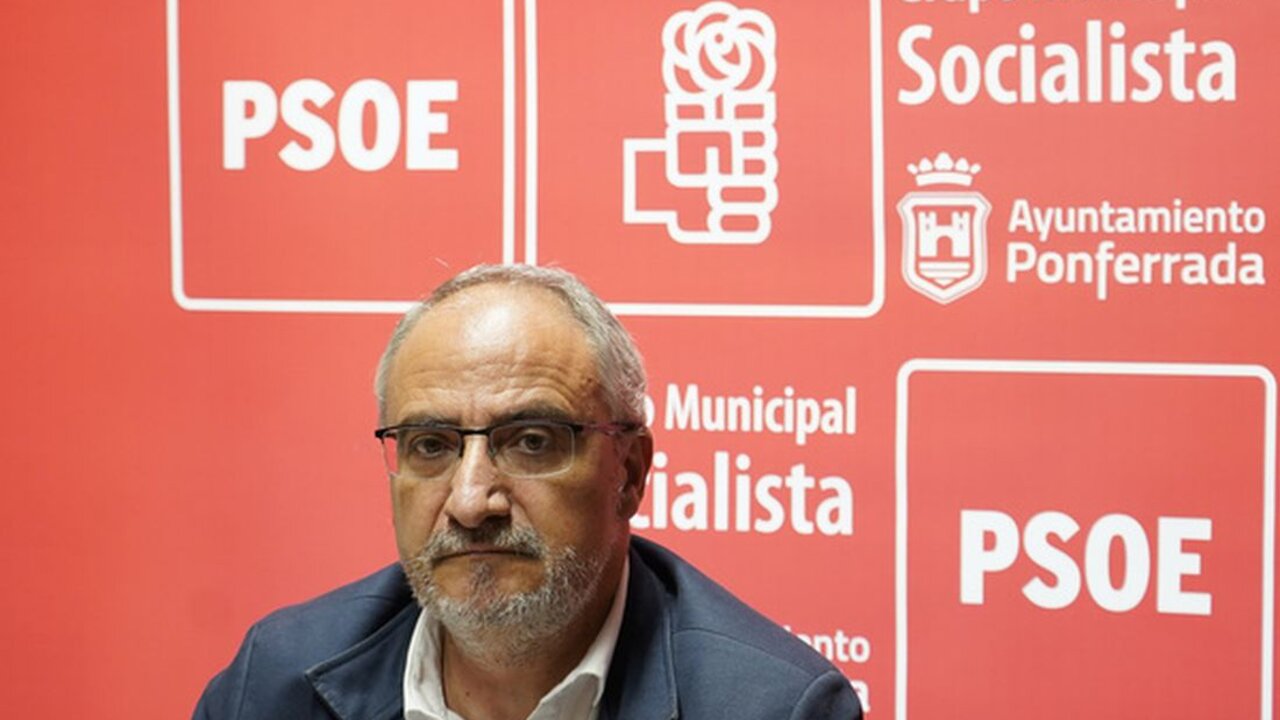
959,319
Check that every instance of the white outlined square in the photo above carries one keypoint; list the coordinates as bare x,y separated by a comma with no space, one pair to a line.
722,309
177,268
1072,367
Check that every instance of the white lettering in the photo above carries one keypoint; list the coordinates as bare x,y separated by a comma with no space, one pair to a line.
1205,72
250,110
801,417
989,545
293,108
1053,559
422,123
735,501
379,96
1105,265
976,560
1097,563
238,125
1175,564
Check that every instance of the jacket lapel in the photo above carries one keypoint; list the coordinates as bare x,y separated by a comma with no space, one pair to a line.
642,684
366,681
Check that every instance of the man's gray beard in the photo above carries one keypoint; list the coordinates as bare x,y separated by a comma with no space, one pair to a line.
505,627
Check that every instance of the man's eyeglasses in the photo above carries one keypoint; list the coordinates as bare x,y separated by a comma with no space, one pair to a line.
520,448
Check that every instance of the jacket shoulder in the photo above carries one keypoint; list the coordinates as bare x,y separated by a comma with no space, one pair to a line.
317,629
727,656
268,677
705,611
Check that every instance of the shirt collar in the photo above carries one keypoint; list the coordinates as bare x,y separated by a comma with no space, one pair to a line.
424,690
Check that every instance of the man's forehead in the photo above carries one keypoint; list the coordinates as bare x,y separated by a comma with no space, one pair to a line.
469,340
499,313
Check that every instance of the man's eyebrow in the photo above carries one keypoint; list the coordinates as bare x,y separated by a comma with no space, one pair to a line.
535,412
531,412
421,418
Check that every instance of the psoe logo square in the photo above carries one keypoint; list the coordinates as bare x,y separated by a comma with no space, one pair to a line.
337,157
1088,538
709,158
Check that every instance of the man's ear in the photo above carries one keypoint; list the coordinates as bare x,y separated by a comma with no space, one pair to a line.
636,468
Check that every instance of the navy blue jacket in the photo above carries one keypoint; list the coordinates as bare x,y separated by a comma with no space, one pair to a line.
687,649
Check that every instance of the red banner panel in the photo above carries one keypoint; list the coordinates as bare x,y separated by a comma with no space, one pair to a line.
1065,154
687,166
1103,532
959,316
353,166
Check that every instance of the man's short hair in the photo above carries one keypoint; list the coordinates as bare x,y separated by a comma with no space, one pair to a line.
618,362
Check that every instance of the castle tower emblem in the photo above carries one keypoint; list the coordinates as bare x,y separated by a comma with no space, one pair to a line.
944,232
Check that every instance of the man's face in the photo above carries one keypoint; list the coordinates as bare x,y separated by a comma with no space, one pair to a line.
479,542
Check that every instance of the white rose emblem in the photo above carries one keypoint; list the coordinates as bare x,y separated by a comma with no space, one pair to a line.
718,48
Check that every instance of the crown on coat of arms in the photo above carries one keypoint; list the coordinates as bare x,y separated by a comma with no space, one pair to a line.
942,170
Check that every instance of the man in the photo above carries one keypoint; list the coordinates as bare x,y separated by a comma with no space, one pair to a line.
511,404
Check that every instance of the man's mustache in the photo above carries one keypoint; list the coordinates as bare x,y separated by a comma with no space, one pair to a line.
503,537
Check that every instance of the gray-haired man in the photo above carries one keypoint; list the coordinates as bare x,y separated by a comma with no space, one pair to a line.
511,404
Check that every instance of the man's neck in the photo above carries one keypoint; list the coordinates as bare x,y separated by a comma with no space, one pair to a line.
481,689
486,679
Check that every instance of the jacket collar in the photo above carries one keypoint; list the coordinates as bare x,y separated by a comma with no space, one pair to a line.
642,683
366,681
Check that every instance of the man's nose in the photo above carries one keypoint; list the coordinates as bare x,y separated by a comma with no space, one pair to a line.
477,490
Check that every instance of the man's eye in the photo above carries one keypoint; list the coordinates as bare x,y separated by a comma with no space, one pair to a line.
430,445
531,441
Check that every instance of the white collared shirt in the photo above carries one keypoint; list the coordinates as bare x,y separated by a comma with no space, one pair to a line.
576,697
